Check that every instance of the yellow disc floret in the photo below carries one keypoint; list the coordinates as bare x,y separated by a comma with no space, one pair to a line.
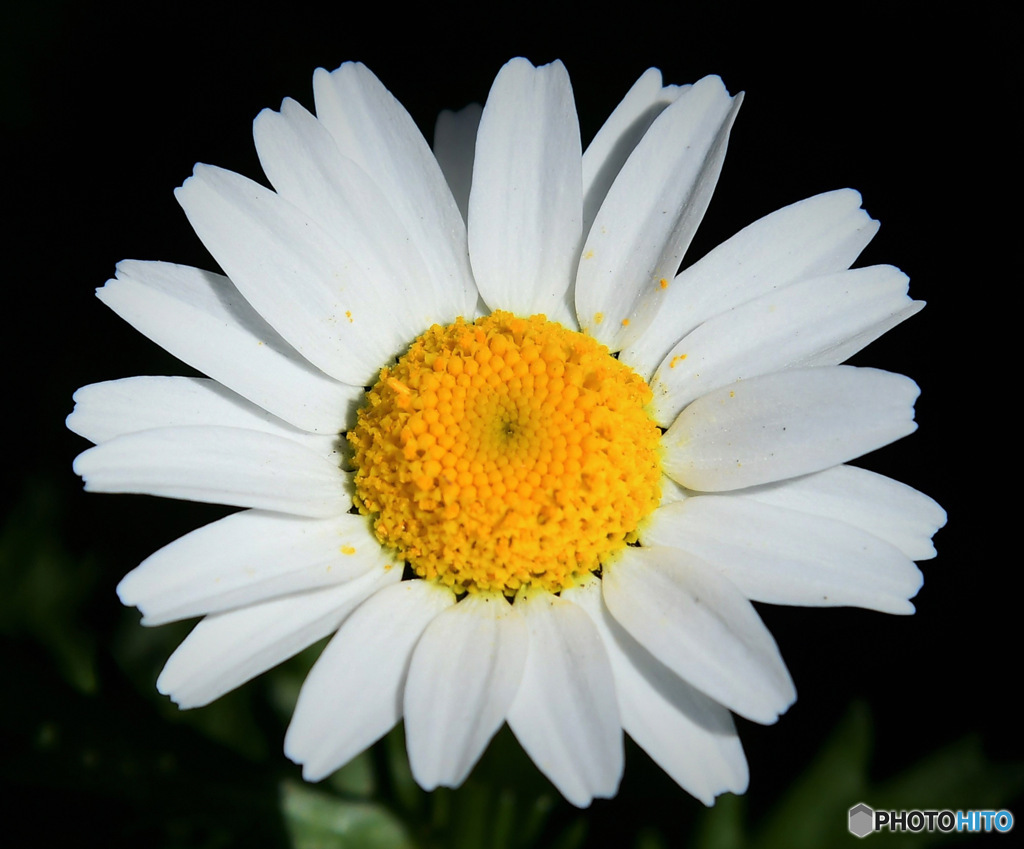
506,453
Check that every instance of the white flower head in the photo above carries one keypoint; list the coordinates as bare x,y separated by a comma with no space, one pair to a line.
488,437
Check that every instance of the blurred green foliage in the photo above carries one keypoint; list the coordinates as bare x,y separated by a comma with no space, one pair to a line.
813,812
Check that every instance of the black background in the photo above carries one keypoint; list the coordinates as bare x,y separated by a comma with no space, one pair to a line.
107,107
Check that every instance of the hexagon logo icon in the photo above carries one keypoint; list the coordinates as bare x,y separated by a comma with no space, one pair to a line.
862,820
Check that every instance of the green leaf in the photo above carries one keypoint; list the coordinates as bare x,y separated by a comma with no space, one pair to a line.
814,810
318,820
722,826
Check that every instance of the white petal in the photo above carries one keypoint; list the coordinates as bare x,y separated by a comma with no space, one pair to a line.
525,207
783,556
227,649
690,736
117,407
303,164
672,491
454,147
700,626
374,130
650,214
565,714
249,557
888,509
218,465
817,322
201,318
786,424
465,672
353,694
820,235
323,299
619,135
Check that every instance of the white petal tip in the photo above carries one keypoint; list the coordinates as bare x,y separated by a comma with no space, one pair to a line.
773,704
182,701
313,775
312,771
70,422
124,591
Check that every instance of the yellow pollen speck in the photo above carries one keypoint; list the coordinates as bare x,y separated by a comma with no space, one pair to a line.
399,387
663,283
598,317
625,322
506,453
732,394
676,359
347,549
348,315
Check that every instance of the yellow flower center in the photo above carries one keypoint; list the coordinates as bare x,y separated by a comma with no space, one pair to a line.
506,453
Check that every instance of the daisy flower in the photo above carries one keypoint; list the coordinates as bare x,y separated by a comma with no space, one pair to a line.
488,437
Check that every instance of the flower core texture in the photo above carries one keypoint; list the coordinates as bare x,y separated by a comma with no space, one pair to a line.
505,454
